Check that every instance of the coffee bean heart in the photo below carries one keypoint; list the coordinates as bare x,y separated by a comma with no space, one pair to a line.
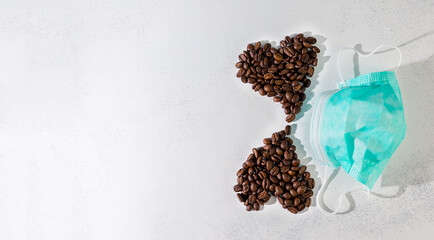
280,73
274,169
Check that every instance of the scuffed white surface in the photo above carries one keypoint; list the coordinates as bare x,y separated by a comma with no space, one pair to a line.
124,119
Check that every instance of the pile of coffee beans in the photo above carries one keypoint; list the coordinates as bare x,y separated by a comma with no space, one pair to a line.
280,73
274,169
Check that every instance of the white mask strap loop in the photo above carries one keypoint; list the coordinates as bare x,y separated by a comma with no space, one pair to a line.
320,195
368,55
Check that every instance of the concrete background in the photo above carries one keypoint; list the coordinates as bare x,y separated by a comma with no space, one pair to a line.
124,119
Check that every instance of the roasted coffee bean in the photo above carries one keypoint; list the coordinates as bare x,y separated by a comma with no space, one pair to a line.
301,207
253,187
290,117
286,177
288,130
238,188
249,207
241,197
250,163
269,165
278,190
265,184
252,198
297,201
291,209
308,202
301,189
287,195
274,171
256,206
293,192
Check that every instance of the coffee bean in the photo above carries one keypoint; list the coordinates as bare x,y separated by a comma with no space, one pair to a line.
278,190
301,189
286,177
311,40
257,46
293,192
297,46
250,163
308,202
238,188
290,117
297,201
256,206
292,210
249,207
274,171
241,197
252,198
269,165
302,169
278,56
301,207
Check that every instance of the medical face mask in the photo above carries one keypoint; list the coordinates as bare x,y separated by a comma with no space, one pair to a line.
359,126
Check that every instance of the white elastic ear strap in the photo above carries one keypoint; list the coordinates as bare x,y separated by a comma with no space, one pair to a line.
320,195
368,55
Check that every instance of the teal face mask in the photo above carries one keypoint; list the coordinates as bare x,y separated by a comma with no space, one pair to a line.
360,125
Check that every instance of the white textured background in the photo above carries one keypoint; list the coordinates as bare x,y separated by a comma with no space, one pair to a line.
124,119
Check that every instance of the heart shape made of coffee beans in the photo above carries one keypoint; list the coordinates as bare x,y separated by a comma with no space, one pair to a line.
274,169
280,73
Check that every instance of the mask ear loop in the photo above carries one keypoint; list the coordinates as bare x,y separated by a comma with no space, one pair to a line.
320,195
368,55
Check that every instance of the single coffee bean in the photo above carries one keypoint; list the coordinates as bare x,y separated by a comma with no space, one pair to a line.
278,56
238,188
293,210
266,183
297,201
252,198
308,202
298,46
287,203
281,200
274,171
284,169
301,207
311,40
241,197
250,163
293,192
290,117
278,190
269,165
253,187
286,177
256,206
301,189
249,207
